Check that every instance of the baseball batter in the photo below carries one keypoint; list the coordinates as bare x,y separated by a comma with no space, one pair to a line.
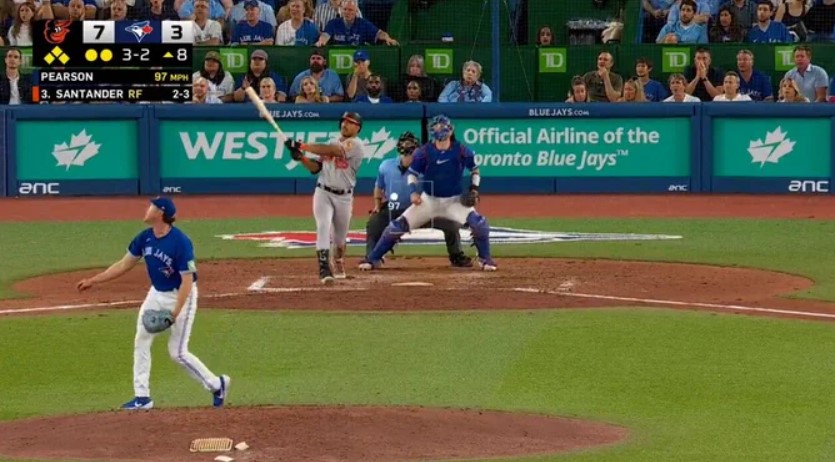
391,192
336,164
442,163
169,260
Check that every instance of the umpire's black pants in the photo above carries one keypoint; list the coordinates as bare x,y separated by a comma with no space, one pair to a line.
377,224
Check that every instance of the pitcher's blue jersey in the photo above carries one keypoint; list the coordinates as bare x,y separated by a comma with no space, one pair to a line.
165,257
442,170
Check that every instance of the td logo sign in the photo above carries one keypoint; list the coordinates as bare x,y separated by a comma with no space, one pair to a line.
438,60
674,59
783,57
552,60
234,60
341,60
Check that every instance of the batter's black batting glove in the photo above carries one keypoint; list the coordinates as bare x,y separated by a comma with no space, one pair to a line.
295,148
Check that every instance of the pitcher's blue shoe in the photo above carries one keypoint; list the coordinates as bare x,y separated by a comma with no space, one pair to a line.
138,403
220,395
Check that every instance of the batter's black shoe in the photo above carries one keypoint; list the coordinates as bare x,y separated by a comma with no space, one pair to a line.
460,260
325,274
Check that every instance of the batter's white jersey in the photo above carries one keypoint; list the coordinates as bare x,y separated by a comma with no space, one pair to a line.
339,172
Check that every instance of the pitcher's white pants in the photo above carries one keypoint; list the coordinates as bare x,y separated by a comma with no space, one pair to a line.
177,343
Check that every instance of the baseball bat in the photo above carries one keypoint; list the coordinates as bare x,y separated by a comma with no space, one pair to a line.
262,109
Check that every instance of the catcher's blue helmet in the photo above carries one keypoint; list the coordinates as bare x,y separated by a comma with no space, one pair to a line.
440,128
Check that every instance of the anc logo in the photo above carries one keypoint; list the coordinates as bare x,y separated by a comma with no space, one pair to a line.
307,239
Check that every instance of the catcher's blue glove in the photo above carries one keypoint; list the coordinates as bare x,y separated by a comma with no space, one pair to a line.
156,321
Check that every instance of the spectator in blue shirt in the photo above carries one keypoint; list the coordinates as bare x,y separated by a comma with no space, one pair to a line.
238,14
297,30
685,30
252,30
765,30
351,30
812,80
751,81
373,91
702,15
329,81
470,89
653,90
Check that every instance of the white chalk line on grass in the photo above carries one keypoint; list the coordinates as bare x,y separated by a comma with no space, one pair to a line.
100,305
675,303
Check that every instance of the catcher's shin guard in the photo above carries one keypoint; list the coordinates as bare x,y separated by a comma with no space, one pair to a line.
480,230
391,235
325,274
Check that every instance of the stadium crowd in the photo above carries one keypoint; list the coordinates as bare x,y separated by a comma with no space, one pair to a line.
317,23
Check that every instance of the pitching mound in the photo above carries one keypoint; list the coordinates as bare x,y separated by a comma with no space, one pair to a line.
426,284
287,434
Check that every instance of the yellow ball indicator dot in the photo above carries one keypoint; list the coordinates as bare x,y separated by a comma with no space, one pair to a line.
91,55
106,55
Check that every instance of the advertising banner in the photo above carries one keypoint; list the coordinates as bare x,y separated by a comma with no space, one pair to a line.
579,147
772,147
197,149
59,150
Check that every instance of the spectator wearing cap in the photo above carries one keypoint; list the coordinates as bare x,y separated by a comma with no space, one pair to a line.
221,82
352,30
328,80
297,30
327,10
216,10
238,14
355,83
374,91
207,31
252,30
259,67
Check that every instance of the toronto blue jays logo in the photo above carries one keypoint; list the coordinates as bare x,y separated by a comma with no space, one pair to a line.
498,235
140,29
167,271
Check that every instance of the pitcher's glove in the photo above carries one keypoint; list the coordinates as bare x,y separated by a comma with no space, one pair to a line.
469,198
295,148
156,321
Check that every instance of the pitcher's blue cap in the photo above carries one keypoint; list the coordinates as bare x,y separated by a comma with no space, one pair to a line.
165,204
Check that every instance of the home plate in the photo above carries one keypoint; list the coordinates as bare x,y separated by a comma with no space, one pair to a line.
412,284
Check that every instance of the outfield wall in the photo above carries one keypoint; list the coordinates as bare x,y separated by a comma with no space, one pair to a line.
521,148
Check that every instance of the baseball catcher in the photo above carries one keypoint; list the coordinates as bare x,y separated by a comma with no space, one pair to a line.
441,164
391,199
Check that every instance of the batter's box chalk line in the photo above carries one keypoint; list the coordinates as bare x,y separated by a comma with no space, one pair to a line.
654,301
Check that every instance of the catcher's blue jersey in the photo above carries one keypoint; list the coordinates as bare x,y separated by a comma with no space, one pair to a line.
165,258
442,170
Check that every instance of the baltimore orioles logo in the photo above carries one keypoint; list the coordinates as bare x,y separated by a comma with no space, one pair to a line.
56,31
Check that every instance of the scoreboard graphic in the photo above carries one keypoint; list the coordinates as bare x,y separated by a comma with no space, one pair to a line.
126,61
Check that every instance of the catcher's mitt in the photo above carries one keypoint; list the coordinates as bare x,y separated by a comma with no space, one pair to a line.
157,320
469,198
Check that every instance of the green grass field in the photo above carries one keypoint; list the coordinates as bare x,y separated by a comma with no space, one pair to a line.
691,386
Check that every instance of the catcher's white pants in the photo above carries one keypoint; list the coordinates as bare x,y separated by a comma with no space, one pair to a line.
432,207
177,343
